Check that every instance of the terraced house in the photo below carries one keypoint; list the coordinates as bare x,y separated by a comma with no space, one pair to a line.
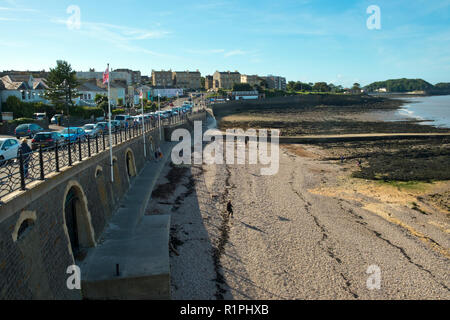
162,78
187,79
225,80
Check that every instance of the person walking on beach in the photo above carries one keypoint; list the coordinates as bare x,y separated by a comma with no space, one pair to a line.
26,152
359,163
230,208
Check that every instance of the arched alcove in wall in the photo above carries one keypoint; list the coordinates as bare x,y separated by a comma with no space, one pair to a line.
77,219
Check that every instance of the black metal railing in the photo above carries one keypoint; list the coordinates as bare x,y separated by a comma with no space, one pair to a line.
18,173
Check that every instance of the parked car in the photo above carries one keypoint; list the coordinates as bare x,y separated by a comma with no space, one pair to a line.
27,130
39,116
124,120
104,127
116,125
92,130
73,134
55,118
46,140
9,149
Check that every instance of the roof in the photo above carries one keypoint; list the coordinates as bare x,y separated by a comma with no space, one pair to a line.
10,83
39,83
228,72
90,86
19,77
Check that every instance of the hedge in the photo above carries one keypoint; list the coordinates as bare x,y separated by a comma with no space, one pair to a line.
85,112
18,122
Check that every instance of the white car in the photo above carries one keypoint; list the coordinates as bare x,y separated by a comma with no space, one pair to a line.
9,149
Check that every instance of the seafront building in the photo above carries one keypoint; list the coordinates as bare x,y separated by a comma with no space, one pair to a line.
209,82
129,77
25,87
225,80
187,79
276,82
252,80
162,78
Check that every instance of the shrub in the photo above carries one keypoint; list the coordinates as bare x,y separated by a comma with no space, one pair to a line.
19,121
85,112
117,111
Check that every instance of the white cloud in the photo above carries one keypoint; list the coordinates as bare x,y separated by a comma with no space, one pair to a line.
206,51
235,53
120,36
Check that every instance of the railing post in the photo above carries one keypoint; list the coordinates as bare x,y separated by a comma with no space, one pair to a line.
121,136
80,157
96,143
56,156
41,163
104,142
22,172
115,136
89,146
70,153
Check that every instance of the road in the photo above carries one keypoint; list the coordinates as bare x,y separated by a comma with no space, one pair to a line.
289,241
10,178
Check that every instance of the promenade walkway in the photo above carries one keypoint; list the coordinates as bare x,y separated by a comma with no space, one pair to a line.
131,260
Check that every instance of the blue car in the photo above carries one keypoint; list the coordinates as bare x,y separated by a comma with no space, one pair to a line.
73,134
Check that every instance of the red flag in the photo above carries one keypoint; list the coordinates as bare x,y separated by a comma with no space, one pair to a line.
106,76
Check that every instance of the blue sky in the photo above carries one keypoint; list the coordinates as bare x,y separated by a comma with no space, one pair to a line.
307,40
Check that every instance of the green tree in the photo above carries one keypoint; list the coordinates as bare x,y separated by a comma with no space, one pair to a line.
203,82
242,87
62,83
321,87
102,102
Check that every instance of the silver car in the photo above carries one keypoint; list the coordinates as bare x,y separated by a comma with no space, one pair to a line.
92,130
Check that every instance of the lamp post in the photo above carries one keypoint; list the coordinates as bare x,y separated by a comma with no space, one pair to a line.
65,85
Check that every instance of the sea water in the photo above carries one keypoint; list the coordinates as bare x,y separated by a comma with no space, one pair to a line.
435,109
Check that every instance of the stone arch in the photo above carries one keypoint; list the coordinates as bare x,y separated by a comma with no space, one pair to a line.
98,171
26,220
80,219
130,163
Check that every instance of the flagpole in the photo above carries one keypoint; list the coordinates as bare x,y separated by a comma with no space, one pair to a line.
110,131
159,117
143,123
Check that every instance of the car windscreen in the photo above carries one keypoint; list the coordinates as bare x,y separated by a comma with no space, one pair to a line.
120,118
89,127
40,137
22,127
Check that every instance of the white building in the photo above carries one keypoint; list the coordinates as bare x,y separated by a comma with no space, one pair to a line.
24,87
87,92
114,75
166,92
